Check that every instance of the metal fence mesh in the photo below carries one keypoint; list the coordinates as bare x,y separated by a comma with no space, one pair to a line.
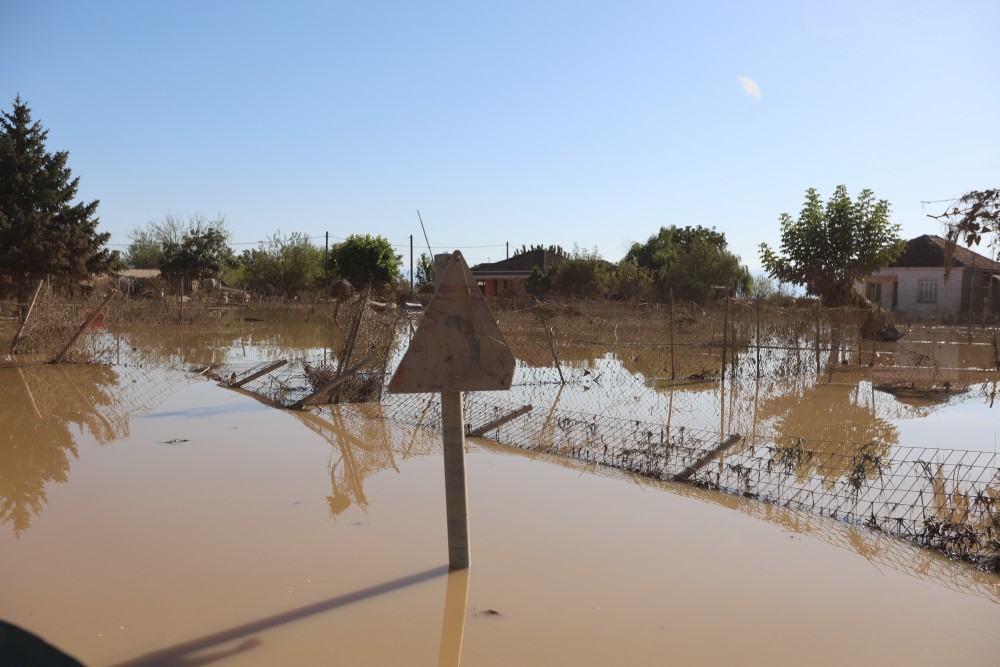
706,394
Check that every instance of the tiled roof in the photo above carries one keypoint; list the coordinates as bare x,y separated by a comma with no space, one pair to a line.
519,264
929,251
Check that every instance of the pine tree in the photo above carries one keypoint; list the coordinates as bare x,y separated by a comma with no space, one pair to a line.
42,230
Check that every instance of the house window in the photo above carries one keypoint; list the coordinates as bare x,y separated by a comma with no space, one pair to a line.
927,291
873,292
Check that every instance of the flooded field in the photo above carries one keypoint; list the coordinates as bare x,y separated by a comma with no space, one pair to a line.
151,517
208,527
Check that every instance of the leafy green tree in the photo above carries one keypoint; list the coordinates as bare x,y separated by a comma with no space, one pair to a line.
201,253
425,269
554,249
629,280
148,245
117,264
366,260
828,249
42,231
284,263
582,274
538,283
691,261
143,251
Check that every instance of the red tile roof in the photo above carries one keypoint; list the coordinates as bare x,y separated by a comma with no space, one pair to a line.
929,251
518,265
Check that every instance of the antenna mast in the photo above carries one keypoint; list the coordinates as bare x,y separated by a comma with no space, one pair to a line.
429,251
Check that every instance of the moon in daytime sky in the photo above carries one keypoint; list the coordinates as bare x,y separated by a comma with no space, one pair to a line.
750,87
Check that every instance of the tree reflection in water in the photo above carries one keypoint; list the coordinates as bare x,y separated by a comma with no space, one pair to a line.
48,410
829,431
361,446
40,405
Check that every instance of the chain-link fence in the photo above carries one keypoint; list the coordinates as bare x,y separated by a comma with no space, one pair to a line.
948,500
791,405
663,343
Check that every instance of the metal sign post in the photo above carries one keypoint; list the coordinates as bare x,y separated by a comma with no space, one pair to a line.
458,347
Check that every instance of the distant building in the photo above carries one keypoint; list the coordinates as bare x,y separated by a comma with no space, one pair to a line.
914,285
140,273
509,275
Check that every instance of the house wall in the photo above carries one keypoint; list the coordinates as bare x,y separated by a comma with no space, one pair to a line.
981,296
501,286
511,288
949,293
885,296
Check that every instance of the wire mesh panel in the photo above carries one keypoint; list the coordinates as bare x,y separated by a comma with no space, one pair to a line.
707,394
946,500
356,373
881,550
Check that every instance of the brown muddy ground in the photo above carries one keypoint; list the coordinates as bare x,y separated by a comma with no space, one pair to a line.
162,521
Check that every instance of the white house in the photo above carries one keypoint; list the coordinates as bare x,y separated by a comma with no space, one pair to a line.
915,284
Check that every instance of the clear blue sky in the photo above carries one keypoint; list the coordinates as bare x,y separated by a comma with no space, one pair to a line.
527,122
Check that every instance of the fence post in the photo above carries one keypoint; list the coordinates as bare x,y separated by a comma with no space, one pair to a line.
734,355
706,457
817,337
725,332
499,421
757,336
861,320
552,346
673,369
24,322
83,327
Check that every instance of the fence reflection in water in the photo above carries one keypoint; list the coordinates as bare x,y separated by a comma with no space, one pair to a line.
655,390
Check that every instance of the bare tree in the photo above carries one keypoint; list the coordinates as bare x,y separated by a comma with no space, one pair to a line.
969,218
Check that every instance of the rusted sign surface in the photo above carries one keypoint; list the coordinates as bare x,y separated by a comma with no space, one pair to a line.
458,346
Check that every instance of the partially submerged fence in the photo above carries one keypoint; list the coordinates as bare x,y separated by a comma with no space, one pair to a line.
645,389
663,343
947,500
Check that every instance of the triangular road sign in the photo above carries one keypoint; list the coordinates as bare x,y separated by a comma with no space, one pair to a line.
458,346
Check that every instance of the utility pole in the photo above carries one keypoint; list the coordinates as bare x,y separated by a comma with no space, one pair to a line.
326,259
508,249
411,267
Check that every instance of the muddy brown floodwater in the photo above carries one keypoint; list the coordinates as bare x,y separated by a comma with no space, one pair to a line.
154,519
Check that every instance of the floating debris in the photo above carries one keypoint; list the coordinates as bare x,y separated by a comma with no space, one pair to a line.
911,394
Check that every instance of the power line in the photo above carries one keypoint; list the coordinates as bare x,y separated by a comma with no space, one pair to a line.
400,241
459,245
343,238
